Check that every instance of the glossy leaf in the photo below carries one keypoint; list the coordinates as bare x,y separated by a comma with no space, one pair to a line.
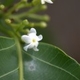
49,63
8,59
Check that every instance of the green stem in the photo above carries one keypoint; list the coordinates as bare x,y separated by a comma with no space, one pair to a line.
38,17
20,59
13,8
18,50
33,10
25,5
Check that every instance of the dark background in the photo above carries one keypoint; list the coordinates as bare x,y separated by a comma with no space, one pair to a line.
64,26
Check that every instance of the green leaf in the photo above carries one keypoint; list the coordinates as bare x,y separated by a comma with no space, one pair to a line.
8,59
49,63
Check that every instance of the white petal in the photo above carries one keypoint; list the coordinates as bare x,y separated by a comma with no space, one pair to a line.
32,30
28,47
25,38
49,1
35,46
31,46
35,49
32,35
42,1
40,37
25,48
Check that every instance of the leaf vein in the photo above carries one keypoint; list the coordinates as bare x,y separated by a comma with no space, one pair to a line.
53,66
8,73
7,47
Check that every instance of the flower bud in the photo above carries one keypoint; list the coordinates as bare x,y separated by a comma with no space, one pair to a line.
8,21
43,24
25,22
2,6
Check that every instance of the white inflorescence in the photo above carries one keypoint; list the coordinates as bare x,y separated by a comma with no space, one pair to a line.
48,1
31,40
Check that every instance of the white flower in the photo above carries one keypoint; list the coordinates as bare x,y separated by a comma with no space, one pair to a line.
48,1
31,40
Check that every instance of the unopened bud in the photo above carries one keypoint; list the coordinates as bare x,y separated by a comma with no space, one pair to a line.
2,6
46,18
25,22
43,24
8,21
44,7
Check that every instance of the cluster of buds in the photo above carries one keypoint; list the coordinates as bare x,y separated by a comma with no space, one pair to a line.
15,23
31,39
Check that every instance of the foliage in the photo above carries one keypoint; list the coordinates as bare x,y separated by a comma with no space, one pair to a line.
49,63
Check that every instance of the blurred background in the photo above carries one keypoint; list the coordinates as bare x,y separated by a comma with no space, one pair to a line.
64,26
63,29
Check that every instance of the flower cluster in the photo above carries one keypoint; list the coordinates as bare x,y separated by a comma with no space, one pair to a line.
31,39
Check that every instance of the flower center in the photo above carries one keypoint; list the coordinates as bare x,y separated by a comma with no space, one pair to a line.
33,40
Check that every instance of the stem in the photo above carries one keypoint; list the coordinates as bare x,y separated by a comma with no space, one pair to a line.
25,6
3,30
13,8
33,10
20,59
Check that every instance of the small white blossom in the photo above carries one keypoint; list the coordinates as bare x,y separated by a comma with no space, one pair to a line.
31,40
48,1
